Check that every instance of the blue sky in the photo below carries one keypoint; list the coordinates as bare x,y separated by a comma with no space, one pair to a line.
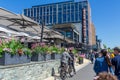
105,16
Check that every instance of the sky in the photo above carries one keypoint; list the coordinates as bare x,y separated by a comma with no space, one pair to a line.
105,15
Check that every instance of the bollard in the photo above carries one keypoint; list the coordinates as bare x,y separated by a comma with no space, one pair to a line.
53,72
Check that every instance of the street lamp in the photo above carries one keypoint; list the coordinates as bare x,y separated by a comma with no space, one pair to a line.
42,29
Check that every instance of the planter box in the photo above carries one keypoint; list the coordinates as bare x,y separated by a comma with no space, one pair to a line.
81,61
7,59
47,56
37,57
55,56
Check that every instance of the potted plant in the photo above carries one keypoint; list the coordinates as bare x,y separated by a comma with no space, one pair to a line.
40,52
11,52
81,58
55,52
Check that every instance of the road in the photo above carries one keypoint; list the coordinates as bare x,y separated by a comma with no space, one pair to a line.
85,73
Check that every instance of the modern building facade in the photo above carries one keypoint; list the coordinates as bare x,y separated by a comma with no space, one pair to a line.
76,13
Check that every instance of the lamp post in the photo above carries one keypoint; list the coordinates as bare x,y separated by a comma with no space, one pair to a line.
42,29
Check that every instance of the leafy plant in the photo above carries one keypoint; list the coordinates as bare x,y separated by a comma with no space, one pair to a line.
40,49
27,51
13,47
75,51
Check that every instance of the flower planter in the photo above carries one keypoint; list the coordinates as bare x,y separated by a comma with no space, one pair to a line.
7,59
55,56
37,57
81,61
47,56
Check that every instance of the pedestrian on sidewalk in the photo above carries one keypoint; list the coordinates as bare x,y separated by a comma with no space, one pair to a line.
72,62
103,63
64,58
116,62
92,57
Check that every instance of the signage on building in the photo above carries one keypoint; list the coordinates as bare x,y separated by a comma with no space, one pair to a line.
84,26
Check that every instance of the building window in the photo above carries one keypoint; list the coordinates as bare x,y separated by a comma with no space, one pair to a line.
72,7
80,16
72,17
69,34
85,5
34,12
68,17
37,11
25,12
54,19
54,8
50,19
64,8
47,21
80,6
68,6
59,8
76,16
54,13
40,10
31,13
64,18
28,12
76,6
59,17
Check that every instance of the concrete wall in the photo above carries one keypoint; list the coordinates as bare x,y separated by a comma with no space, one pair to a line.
29,71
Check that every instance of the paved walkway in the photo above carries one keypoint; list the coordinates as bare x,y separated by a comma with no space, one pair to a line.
85,73
77,67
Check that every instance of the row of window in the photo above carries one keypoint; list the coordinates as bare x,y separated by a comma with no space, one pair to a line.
60,18
35,12
60,6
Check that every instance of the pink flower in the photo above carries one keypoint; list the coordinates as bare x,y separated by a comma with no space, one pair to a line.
35,45
7,49
22,39
71,48
42,44
82,55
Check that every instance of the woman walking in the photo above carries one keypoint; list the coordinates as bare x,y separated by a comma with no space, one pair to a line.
103,63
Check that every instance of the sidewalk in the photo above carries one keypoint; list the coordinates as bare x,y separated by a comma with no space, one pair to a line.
77,67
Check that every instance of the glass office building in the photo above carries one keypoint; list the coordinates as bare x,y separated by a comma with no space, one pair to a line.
61,13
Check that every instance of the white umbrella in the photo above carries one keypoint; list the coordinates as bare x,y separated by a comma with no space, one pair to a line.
7,31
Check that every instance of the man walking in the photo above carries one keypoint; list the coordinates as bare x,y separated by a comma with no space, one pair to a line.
64,58
71,62
116,62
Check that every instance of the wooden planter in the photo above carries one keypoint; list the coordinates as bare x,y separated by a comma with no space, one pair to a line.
7,59
37,57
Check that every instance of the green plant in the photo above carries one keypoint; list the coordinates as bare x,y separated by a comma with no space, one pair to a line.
40,49
27,51
75,51
13,47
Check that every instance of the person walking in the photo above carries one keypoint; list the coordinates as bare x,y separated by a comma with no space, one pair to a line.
71,62
64,58
92,56
103,63
116,62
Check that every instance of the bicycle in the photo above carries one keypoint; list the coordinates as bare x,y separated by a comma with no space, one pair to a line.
70,69
63,71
